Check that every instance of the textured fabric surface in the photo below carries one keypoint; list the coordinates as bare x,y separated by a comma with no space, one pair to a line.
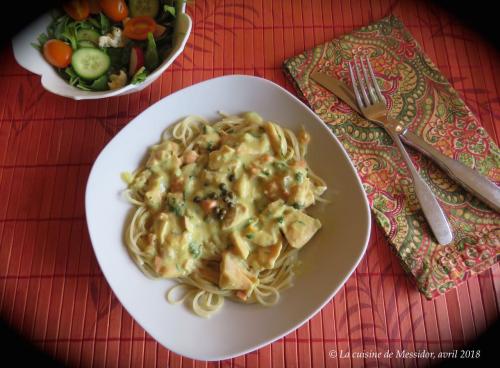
51,288
420,96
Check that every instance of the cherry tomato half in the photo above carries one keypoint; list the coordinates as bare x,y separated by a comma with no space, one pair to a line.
137,28
57,53
117,10
77,9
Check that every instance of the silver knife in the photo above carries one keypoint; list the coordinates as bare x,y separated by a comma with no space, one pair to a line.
469,178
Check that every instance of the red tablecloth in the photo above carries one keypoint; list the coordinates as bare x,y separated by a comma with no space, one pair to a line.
51,288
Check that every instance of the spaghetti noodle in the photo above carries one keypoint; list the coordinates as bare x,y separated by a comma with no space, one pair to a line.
221,208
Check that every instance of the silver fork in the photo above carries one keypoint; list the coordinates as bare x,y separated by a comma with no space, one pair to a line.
374,107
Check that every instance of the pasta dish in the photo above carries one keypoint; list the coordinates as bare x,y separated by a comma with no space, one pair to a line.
220,207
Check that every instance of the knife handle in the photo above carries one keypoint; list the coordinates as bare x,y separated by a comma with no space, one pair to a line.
470,179
433,212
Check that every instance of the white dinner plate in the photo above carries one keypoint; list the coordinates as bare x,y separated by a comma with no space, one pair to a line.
327,260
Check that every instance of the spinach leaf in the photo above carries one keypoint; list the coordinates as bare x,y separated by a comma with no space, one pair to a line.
59,26
69,34
100,84
105,24
119,56
84,24
94,23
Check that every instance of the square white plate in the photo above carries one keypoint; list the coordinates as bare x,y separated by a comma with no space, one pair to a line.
328,260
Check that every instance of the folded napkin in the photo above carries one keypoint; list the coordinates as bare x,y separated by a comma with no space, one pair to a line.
420,96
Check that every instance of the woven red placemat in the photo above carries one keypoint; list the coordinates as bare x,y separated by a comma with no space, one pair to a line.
51,288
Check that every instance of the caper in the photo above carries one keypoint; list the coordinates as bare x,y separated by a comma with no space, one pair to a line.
220,212
231,177
197,199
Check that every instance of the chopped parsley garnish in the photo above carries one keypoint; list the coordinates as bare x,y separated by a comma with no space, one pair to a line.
251,220
176,206
194,249
299,177
280,165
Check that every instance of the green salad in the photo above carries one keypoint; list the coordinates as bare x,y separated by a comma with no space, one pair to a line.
106,44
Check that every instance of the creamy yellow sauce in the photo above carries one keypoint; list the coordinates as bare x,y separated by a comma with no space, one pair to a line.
226,203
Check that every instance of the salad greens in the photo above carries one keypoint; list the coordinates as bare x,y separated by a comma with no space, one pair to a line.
151,59
140,76
94,51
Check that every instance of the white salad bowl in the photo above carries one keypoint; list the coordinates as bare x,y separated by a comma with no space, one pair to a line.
327,260
32,59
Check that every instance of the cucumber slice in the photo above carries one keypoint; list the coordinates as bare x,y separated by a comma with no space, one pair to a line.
85,43
88,35
144,7
90,63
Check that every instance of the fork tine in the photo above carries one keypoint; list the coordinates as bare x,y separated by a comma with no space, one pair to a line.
369,82
374,80
361,84
355,87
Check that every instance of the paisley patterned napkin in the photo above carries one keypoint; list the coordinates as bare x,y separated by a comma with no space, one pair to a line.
420,96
